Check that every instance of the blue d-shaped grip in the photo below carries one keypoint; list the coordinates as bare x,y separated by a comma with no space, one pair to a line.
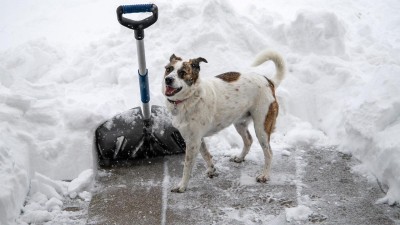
137,8
140,25
144,87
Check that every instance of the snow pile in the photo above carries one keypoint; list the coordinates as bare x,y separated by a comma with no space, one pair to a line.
321,33
304,134
349,89
38,105
45,200
13,188
372,125
58,83
80,184
43,129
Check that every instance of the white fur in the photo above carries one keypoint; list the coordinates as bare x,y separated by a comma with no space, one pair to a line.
210,105
279,65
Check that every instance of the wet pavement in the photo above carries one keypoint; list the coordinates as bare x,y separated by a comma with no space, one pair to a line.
319,178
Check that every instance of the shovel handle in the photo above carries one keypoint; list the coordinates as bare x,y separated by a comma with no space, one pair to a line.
140,25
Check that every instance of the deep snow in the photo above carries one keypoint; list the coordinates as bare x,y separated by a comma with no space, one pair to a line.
67,66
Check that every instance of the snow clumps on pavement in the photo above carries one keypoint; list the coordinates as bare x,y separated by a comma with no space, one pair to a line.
45,199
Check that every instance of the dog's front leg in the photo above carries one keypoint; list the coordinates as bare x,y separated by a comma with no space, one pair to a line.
192,149
208,158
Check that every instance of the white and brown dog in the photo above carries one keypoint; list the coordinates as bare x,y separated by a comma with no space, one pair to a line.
203,107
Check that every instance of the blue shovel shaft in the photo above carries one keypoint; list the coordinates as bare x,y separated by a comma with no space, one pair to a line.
143,79
144,87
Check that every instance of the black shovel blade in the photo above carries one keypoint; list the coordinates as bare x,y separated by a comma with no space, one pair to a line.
128,136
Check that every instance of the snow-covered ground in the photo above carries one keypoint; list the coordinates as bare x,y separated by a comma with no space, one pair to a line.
66,66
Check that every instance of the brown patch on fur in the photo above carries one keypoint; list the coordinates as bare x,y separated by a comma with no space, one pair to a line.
270,119
174,58
189,72
168,69
170,66
229,76
195,63
272,86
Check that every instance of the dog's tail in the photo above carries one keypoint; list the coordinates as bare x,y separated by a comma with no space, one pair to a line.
278,61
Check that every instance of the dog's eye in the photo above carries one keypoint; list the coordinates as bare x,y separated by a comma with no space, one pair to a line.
169,69
181,73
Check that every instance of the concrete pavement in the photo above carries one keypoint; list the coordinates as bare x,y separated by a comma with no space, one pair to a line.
317,177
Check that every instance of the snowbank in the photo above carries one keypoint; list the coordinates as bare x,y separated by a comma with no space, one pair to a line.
13,188
372,124
45,199
57,83
349,89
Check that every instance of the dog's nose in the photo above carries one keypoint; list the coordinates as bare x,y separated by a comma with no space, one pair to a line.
169,80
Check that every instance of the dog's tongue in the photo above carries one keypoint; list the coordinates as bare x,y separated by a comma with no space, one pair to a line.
169,90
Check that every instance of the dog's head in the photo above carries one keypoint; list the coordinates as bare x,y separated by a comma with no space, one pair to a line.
181,76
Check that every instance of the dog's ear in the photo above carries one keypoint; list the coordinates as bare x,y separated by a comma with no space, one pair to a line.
174,57
195,63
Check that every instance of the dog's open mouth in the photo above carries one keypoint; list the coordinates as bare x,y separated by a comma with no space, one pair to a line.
170,91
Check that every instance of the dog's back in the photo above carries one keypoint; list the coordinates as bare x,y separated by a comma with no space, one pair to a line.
235,96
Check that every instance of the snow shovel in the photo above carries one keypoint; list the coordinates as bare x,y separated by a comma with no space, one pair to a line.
138,132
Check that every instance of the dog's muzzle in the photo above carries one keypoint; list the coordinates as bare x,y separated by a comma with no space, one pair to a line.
169,81
169,89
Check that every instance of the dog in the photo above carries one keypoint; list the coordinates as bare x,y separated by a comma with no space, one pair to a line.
203,107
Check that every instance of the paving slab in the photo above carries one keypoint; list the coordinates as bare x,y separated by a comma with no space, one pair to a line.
129,194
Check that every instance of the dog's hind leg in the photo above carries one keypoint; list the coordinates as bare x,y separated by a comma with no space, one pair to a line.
241,128
208,158
264,126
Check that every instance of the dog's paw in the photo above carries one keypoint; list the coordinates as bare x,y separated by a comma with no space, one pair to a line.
262,178
236,159
211,172
178,189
